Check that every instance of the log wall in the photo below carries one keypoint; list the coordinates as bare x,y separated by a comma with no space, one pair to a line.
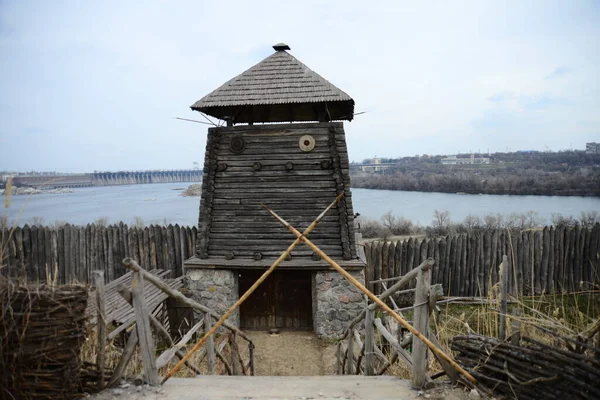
73,252
540,261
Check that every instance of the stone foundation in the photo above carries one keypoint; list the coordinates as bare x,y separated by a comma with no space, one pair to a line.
335,302
216,289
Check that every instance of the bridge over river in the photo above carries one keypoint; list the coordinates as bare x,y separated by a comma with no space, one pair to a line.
108,178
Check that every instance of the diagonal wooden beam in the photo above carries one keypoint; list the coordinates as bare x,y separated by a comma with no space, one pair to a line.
373,297
256,284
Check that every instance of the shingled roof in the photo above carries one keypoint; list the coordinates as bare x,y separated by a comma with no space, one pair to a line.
278,89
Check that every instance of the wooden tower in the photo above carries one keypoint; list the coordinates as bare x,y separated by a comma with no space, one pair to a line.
283,145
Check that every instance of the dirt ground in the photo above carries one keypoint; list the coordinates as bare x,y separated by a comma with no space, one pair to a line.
292,353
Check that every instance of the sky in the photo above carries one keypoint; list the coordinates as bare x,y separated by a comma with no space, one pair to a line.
90,86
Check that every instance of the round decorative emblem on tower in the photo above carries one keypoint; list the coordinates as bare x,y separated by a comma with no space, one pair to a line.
306,143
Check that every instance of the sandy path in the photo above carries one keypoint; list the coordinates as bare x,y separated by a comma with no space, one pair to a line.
292,353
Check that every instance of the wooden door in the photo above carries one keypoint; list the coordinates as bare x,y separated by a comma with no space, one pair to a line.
283,300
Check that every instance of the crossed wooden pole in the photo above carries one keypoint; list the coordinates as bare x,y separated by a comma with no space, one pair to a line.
301,237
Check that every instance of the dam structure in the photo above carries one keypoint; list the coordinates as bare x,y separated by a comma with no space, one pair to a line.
108,178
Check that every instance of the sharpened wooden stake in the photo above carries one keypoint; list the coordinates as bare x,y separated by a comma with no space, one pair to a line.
260,280
374,298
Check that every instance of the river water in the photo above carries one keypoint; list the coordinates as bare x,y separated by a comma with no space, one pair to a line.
160,203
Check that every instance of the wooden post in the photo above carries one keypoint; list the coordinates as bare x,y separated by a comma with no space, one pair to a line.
350,357
420,323
251,355
98,277
502,317
210,344
515,328
235,365
369,343
142,321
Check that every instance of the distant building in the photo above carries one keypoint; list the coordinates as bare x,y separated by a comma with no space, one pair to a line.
454,160
592,148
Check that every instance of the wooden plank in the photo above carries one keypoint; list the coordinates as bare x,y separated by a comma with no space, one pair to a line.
421,323
98,278
143,329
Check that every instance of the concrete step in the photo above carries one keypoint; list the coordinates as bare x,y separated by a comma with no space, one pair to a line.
288,387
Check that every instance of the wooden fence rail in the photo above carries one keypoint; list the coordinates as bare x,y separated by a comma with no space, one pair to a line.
70,253
539,261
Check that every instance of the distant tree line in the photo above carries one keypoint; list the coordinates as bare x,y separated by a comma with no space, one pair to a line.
566,173
441,225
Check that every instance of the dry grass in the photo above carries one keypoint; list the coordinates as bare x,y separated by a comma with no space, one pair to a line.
565,314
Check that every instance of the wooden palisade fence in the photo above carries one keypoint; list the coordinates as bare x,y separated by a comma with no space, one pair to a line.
540,261
75,251
561,259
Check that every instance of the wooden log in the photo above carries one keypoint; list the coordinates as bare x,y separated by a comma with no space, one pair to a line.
377,266
538,262
546,254
470,262
177,270
234,355
143,329
350,357
210,345
423,250
171,250
251,356
465,265
48,266
421,324
446,272
153,246
110,261
515,327
519,264
402,354
439,262
390,257
126,355
561,239
398,259
98,277
410,252
457,286
384,261
369,367
503,272
487,244
405,266
494,259
532,262
580,259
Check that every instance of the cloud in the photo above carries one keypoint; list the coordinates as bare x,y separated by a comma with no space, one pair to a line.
559,73
500,97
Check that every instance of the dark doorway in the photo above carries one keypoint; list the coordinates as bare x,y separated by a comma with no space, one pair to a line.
282,301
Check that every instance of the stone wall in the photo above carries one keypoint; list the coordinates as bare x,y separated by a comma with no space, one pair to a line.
335,302
214,288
